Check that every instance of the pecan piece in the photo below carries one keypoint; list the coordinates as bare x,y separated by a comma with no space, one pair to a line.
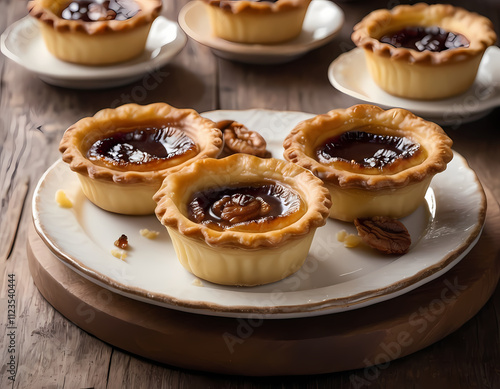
122,242
239,139
240,208
385,234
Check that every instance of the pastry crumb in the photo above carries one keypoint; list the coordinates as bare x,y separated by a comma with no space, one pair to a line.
352,240
197,282
349,240
120,254
62,199
341,235
149,233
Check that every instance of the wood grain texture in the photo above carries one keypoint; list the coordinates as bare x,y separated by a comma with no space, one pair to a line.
51,352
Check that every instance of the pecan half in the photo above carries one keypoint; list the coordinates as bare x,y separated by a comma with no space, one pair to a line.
240,208
239,139
385,234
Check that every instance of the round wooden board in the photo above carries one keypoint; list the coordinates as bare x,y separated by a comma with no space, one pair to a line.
323,344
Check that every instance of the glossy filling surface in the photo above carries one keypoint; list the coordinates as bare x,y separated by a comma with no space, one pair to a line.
366,149
142,146
98,10
425,38
242,206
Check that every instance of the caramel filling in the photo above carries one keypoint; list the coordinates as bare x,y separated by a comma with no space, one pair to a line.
367,150
425,38
253,207
98,10
149,146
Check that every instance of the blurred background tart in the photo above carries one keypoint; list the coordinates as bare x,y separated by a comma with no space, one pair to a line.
256,21
95,32
424,51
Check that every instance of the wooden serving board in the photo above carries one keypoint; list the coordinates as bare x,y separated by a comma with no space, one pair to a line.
323,344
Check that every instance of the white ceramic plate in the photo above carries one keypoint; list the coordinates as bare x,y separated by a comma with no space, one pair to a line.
23,43
348,73
322,22
333,278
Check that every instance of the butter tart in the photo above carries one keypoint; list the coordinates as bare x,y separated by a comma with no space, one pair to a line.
242,220
256,21
122,155
424,51
374,162
93,32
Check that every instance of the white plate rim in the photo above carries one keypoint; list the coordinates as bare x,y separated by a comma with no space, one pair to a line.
93,73
286,311
288,49
468,101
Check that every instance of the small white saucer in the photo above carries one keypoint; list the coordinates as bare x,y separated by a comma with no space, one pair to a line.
348,73
23,43
322,22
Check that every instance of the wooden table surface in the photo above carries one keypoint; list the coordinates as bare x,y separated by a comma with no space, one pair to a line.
51,352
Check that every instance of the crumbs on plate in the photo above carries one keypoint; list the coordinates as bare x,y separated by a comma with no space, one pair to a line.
149,233
349,240
62,199
120,254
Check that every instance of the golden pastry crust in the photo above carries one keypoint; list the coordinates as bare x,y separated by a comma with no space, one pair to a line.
177,189
48,12
302,141
427,74
256,22
95,43
393,191
242,256
105,184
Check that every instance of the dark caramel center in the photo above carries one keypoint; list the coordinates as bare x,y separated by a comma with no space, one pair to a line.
97,10
222,208
141,146
425,38
366,149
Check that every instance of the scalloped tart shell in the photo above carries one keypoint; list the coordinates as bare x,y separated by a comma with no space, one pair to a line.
423,75
256,22
130,190
393,191
234,256
94,43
